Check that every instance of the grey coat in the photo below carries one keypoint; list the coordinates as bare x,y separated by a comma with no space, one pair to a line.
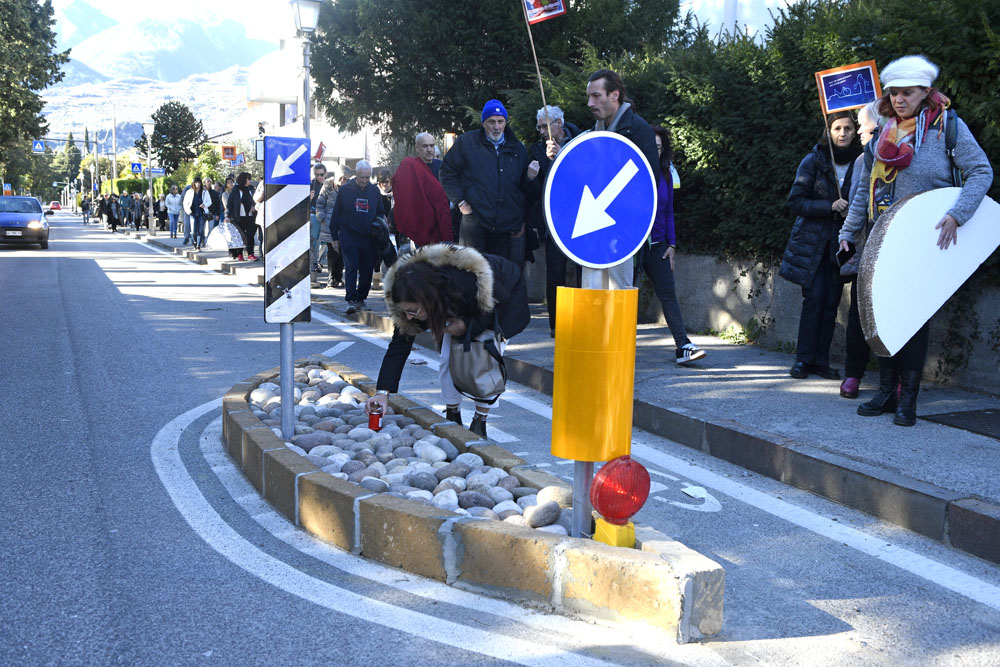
325,201
929,170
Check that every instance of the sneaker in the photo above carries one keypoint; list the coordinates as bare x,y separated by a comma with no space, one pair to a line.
239,258
352,307
689,353
363,306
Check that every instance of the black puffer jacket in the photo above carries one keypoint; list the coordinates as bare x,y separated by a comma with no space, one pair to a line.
816,226
489,284
493,182
536,210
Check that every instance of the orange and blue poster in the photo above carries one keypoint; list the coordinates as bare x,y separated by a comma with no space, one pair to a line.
543,10
848,87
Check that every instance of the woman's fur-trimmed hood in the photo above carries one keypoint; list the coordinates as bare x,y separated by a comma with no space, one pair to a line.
441,254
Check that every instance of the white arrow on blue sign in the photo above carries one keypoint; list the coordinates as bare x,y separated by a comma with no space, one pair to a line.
37,146
286,160
600,199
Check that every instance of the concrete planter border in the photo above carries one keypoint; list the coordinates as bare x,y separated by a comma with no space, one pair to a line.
661,583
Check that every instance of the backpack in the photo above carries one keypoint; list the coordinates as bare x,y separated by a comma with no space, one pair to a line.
950,138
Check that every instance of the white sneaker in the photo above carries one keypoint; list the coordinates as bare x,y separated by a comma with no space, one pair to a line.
689,353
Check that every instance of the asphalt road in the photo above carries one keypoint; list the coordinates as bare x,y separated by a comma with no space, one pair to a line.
126,537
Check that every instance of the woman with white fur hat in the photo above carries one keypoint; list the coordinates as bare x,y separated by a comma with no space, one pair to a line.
910,158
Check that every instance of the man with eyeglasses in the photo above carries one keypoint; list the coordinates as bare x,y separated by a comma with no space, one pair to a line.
486,174
319,177
556,261
422,212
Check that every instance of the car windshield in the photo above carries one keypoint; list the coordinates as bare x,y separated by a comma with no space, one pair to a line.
8,205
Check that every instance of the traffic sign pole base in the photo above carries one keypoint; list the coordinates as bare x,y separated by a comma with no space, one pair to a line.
616,536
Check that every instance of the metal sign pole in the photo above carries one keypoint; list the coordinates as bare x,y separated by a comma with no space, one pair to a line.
287,381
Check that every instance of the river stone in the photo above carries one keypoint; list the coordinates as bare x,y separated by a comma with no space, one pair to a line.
404,452
261,395
366,457
310,441
420,494
499,495
277,431
468,499
374,484
379,468
361,433
472,460
554,528
516,519
509,482
507,506
480,479
317,461
423,480
342,430
422,466
295,448
339,475
453,469
542,514
395,478
386,457
528,501
394,464
352,466
420,433
482,513
450,450
304,410
325,425
330,412
356,477
429,452
309,420
457,481
271,422
446,500
444,486
302,429
310,396
561,495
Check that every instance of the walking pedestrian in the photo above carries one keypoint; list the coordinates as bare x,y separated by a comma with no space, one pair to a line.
325,202
315,186
457,293
358,204
173,203
422,213
241,214
114,213
198,205
911,156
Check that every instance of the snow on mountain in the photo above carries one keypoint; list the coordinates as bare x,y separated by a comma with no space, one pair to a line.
169,49
77,21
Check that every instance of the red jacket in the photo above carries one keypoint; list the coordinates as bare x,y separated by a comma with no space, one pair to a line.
421,207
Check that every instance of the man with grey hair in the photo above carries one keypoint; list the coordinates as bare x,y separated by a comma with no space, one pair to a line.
422,212
358,204
550,118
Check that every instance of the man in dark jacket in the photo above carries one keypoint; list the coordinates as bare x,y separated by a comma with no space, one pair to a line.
486,174
613,110
549,118
359,203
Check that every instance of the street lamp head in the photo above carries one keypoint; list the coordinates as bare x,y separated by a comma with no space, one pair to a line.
306,13
147,128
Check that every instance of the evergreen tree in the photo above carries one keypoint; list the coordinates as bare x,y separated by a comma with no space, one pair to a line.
28,65
177,135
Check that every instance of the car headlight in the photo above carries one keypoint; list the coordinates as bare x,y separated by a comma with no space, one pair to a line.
37,224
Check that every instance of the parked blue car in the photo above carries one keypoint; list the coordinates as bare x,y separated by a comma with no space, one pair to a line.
23,222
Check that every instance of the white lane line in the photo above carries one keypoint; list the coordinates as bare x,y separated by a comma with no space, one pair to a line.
277,525
203,519
337,349
921,566
354,329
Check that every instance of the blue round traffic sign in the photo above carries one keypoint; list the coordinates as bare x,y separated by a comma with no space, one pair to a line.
600,199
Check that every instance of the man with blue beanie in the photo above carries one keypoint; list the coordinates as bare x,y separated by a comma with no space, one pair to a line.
487,176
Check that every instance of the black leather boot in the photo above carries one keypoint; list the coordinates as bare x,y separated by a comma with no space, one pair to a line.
453,415
906,412
884,399
478,426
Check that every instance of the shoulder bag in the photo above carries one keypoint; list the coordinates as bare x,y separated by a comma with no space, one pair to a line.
476,365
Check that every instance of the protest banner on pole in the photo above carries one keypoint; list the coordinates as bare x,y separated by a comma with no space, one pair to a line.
848,87
536,11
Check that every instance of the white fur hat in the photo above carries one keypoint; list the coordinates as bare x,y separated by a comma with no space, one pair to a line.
909,71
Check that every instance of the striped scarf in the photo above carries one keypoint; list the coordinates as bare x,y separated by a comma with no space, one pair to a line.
898,142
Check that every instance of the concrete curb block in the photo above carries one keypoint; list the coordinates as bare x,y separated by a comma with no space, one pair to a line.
663,585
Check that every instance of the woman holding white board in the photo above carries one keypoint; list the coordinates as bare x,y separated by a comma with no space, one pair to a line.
910,157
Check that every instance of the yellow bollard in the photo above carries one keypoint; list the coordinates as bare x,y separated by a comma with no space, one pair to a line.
594,376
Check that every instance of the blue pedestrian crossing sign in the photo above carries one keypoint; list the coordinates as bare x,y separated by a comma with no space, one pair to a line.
37,146
600,199
136,167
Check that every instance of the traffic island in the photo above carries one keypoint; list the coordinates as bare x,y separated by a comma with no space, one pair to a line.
491,550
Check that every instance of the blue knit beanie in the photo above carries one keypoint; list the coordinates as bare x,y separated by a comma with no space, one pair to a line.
493,108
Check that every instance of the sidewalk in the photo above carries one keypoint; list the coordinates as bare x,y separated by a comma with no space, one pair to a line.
740,404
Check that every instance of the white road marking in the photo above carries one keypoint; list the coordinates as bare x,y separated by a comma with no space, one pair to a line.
337,349
211,528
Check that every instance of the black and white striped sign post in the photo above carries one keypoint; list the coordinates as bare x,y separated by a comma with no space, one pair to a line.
286,253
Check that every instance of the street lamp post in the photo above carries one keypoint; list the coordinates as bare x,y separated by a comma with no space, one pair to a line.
148,128
306,13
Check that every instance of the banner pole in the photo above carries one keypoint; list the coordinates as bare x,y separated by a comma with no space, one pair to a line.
538,71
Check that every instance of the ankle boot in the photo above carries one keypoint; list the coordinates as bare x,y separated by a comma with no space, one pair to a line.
450,414
478,426
884,399
906,412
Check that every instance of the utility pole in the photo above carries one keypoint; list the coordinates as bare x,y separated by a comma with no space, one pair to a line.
114,150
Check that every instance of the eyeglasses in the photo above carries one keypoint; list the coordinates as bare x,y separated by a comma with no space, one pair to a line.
412,313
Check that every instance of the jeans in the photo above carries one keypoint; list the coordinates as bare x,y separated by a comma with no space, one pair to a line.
474,235
858,353
313,240
198,229
662,276
173,223
819,313
187,227
360,256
